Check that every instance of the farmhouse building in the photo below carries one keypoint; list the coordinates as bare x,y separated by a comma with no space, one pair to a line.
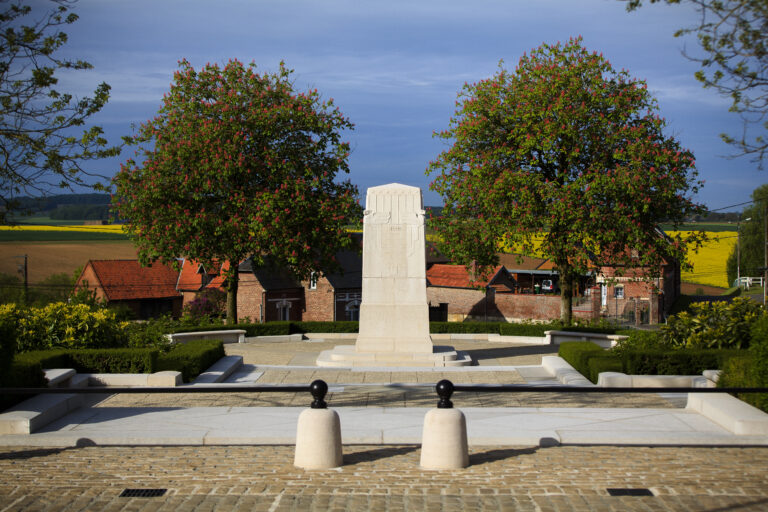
148,291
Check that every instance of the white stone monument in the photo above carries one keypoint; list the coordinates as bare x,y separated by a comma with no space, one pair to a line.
394,314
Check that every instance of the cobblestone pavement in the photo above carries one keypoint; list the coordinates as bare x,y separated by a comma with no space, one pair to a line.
263,478
294,357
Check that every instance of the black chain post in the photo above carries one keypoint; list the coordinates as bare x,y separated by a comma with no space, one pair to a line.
444,391
319,389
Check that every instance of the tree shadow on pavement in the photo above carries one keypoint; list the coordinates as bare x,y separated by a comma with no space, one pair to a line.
375,454
491,456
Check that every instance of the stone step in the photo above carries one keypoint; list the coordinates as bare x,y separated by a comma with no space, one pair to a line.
220,370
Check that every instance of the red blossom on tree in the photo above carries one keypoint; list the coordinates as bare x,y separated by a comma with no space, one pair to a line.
238,164
568,149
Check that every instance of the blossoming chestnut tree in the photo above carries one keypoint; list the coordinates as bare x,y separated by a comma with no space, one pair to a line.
237,164
566,150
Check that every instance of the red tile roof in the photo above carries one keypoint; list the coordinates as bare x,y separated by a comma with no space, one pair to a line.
126,279
520,262
192,272
455,276
218,281
190,276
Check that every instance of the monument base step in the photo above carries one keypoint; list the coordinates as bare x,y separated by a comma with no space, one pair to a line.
345,356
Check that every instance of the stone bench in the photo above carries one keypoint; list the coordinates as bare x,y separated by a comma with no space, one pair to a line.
59,377
604,340
564,372
225,336
729,412
33,414
622,380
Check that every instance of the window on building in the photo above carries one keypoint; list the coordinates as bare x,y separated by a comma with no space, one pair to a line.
353,311
618,291
313,281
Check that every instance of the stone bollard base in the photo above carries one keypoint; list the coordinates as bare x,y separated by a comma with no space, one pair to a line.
444,440
318,440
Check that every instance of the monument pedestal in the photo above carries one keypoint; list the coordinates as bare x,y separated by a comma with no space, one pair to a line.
345,356
394,313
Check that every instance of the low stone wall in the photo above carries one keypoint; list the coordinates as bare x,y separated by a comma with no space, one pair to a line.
465,304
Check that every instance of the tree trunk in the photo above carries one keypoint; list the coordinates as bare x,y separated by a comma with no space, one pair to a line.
566,297
232,283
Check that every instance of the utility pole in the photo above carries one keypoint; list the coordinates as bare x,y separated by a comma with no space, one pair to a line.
765,250
23,270
738,250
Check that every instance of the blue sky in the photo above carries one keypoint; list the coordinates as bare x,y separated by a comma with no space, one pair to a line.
394,68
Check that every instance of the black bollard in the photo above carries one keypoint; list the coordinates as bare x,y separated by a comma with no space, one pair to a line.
319,389
444,391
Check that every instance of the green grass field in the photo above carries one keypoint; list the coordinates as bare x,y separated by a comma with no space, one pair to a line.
57,236
39,220
701,226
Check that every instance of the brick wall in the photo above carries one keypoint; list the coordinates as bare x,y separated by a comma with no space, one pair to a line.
318,303
466,304
249,297
88,277
187,297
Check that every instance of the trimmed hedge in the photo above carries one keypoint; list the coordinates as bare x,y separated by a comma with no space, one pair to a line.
114,360
345,326
96,360
191,358
676,362
464,327
605,362
21,374
577,354
751,368
524,329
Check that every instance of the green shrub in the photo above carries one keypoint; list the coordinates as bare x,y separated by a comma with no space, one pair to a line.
675,362
345,326
577,354
8,333
191,358
149,334
64,325
638,341
714,324
603,362
740,372
114,360
464,327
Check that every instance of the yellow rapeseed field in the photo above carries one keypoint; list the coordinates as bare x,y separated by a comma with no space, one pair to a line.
108,228
709,262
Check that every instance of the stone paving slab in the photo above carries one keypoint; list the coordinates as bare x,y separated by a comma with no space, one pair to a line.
381,425
263,478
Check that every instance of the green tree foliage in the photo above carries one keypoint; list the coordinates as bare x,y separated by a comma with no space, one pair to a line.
751,254
733,37
39,145
238,164
714,324
567,149
751,238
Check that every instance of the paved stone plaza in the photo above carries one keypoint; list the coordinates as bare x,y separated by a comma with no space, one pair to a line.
565,478
386,477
